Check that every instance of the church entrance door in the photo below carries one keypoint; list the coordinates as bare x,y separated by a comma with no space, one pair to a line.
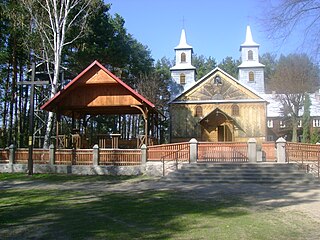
224,133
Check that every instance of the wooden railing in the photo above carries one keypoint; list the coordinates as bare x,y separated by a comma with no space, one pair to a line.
222,152
307,156
120,157
269,151
39,156
169,152
4,156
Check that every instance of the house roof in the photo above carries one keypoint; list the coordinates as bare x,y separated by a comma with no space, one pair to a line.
96,91
274,108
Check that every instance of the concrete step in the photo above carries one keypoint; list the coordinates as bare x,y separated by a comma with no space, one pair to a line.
239,173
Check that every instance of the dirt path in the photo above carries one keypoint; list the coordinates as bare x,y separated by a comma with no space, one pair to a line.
304,198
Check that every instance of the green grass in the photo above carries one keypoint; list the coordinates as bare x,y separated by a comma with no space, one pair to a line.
56,178
61,214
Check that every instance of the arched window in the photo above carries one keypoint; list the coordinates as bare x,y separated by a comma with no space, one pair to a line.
235,110
182,79
199,112
183,57
250,55
251,76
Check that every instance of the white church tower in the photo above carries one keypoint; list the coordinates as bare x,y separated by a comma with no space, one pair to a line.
251,71
183,72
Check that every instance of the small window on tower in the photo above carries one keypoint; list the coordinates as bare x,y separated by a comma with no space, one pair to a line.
251,76
183,57
182,79
250,55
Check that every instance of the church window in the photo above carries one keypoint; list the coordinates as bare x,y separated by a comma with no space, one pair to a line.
199,112
217,80
270,123
251,76
235,110
282,124
183,57
250,55
182,79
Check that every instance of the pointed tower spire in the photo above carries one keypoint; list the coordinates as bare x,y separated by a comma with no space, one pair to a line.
183,72
249,40
183,41
251,71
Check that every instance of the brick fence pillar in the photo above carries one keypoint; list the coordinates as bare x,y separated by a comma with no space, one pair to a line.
12,154
143,154
193,150
52,155
281,150
96,155
252,150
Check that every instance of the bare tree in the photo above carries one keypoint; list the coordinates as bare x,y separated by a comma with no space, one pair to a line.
283,18
52,19
294,76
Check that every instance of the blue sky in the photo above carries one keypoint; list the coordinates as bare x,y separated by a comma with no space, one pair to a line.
213,28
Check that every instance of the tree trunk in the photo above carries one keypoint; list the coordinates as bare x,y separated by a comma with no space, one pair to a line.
294,130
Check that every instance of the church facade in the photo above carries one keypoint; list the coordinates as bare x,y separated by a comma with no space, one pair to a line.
218,107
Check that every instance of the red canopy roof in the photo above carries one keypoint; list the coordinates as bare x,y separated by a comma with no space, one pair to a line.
97,91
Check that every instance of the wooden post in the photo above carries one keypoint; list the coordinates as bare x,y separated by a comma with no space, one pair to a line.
115,140
31,122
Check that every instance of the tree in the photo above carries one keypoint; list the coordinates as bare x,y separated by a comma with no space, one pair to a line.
286,17
13,58
52,20
306,119
203,64
230,66
270,62
295,75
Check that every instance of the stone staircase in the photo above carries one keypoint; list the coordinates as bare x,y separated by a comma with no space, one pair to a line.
239,173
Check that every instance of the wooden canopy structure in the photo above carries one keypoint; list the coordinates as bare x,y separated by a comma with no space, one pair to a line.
96,91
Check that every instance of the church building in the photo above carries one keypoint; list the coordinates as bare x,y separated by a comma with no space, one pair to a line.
218,107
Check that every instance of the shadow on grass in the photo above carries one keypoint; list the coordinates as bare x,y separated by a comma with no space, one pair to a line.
152,210
77,215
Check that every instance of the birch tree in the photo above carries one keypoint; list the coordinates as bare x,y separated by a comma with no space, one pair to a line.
52,20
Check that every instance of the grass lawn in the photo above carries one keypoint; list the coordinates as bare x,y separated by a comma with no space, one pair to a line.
87,214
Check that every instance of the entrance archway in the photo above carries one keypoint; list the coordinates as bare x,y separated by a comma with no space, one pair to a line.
217,126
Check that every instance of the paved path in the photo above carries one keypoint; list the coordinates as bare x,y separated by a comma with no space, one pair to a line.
301,197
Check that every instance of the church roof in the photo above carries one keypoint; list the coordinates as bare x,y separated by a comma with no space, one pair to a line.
254,96
183,41
249,40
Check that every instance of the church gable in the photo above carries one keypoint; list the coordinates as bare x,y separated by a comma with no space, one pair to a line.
217,85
